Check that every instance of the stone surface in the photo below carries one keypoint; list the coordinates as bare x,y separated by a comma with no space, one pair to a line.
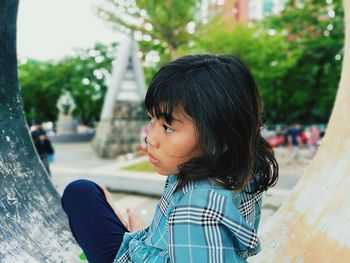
119,136
123,113
33,227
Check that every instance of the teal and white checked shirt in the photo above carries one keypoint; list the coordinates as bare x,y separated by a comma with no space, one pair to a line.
199,223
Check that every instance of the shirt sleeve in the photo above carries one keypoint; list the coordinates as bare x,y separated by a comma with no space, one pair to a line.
197,231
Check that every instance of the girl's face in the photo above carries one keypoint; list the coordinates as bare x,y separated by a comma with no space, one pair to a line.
170,145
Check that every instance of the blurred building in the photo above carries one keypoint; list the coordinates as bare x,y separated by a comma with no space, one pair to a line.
258,9
243,11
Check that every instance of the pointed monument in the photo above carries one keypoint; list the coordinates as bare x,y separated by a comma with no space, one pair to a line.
123,113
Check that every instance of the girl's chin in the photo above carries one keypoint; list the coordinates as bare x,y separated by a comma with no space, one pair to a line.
162,172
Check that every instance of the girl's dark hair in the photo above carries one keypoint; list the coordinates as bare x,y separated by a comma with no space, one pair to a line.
220,95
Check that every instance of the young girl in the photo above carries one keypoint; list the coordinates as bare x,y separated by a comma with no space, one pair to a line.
204,135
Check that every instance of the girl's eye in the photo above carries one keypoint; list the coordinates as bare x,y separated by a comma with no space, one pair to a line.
151,119
167,128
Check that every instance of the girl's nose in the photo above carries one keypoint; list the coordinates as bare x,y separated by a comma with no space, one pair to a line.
151,139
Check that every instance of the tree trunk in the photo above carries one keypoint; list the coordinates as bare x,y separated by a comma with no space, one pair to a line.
173,52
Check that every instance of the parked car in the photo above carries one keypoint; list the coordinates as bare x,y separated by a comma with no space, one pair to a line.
275,135
276,140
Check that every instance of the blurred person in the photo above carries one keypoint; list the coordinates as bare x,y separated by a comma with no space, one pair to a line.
294,142
42,145
322,132
313,140
303,137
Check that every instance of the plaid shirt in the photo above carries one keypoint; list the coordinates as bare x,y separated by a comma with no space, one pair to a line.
199,223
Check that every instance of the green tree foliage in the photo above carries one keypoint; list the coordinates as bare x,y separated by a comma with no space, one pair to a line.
160,56
39,90
307,90
262,50
295,57
165,22
83,75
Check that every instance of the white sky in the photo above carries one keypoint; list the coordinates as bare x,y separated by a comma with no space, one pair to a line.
50,29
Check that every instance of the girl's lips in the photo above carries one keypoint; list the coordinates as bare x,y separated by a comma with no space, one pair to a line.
152,159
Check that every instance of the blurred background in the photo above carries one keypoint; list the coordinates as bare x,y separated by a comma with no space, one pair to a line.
67,51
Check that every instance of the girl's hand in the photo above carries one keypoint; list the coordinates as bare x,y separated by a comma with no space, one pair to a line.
116,211
135,223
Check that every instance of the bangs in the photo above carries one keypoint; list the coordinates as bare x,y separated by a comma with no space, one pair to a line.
167,95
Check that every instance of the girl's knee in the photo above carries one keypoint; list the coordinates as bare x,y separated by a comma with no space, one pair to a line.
77,190
79,186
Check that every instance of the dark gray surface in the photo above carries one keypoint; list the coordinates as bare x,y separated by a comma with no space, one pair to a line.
71,138
33,226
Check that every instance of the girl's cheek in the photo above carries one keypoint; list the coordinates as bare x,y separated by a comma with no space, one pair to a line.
177,150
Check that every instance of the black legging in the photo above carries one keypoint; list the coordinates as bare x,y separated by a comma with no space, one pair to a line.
94,224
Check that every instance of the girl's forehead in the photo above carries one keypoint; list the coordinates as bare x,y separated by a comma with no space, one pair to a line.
177,114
